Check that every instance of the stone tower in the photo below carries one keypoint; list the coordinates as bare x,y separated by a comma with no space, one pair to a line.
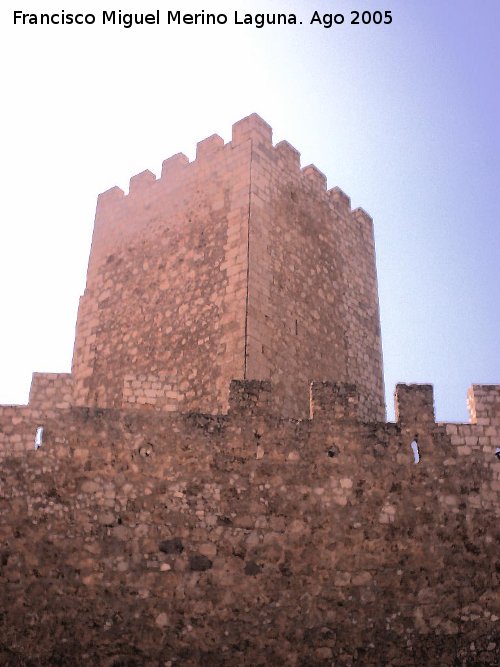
239,264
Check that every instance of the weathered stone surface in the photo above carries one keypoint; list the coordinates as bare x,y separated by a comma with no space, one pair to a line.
161,620
252,568
175,515
106,518
199,563
237,264
172,546
408,552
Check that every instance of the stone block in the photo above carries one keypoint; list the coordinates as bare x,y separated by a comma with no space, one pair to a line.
414,404
333,400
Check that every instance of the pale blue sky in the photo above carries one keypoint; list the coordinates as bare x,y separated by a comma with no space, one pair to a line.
405,118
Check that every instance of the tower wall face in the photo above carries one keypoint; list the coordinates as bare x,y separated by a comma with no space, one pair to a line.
237,265
161,323
313,301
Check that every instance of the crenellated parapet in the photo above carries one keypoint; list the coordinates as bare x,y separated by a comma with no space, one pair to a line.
333,408
178,168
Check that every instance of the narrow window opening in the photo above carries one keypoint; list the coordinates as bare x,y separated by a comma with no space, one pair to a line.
39,437
296,327
416,451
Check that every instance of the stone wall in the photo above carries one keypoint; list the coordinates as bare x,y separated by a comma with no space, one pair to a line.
51,390
238,264
149,538
166,284
312,303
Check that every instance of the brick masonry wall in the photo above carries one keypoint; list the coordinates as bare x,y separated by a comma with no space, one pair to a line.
145,538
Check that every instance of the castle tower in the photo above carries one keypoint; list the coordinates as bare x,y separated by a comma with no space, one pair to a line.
239,264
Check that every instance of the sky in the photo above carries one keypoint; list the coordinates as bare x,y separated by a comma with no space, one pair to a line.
404,117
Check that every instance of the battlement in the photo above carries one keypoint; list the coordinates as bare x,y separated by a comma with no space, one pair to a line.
483,402
253,128
414,404
250,129
51,390
330,404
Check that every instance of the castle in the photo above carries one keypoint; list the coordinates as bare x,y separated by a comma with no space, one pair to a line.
215,483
